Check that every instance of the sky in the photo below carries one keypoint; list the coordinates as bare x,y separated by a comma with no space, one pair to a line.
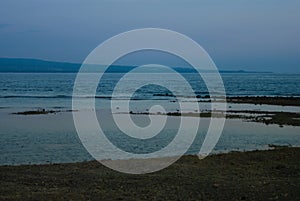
255,35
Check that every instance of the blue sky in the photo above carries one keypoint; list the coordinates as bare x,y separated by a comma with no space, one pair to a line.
238,34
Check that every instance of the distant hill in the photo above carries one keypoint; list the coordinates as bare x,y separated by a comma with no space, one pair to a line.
35,65
40,66
15,65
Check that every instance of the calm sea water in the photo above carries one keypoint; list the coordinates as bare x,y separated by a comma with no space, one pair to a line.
53,138
55,90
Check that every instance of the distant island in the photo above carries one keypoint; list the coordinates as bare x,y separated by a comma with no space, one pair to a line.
18,65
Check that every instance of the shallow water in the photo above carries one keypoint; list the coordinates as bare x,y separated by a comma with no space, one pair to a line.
53,139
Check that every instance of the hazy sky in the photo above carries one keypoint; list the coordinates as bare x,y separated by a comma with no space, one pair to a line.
238,34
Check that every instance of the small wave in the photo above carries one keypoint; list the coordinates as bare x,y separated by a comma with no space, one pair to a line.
56,96
154,97
79,97
32,96
201,92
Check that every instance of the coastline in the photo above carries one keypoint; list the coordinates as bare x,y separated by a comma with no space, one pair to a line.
260,115
271,174
246,129
250,175
268,100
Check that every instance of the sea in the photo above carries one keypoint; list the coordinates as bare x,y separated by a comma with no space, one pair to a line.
30,90
52,138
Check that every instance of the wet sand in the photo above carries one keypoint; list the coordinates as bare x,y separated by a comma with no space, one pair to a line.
256,175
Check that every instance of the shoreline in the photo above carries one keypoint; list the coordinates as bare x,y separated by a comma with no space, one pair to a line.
233,176
268,100
269,147
281,117
265,117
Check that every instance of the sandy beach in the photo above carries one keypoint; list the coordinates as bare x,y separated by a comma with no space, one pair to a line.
256,175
